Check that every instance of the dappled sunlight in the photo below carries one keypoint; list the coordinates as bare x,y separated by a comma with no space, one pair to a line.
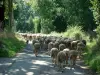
29,73
23,69
5,64
78,73
16,70
30,29
28,64
41,62
35,67
84,67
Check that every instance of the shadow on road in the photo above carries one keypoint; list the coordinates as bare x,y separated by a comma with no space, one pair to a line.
27,64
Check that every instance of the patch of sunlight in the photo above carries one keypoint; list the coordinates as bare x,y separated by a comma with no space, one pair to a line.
29,73
78,73
5,64
24,70
41,62
21,53
16,70
84,67
34,68
68,68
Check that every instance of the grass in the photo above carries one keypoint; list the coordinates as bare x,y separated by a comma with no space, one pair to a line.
11,45
56,34
76,32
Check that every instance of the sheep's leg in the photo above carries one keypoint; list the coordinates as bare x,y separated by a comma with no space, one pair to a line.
80,52
59,66
62,66
71,62
54,62
35,52
74,63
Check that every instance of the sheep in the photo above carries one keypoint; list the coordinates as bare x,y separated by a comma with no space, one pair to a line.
80,48
56,44
66,50
61,47
45,46
41,43
68,43
73,56
36,48
54,52
74,44
61,60
84,42
46,42
35,41
50,46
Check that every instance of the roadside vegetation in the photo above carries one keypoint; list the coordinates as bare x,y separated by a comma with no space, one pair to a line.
92,56
91,53
67,18
10,45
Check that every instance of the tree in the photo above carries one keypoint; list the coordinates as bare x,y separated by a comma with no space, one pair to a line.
36,21
73,12
11,17
1,15
24,15
96,10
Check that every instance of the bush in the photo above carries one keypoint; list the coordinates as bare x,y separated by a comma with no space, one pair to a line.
46,26
92,56
95,63
75,32
11,45
55,34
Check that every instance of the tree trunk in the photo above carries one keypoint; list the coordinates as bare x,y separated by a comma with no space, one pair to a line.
1,15
11,21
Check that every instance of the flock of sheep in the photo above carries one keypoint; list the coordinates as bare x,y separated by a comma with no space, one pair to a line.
63,51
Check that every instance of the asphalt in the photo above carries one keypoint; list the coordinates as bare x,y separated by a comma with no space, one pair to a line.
25,63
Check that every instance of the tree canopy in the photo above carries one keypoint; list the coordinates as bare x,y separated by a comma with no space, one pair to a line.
54,15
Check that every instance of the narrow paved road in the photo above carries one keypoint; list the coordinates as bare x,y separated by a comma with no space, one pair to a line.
27,64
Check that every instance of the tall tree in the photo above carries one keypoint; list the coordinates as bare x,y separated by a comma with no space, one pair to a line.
23,14
11,17
1,15
73,12
96,10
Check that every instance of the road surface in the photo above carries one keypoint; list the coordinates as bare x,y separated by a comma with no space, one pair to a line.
27,64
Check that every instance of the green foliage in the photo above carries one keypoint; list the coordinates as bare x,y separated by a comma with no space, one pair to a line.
92,56
23,14
95,63
6,9
98,31
96,10
75,32
36,22
81,12
11,46
55,34
73,12
46,26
